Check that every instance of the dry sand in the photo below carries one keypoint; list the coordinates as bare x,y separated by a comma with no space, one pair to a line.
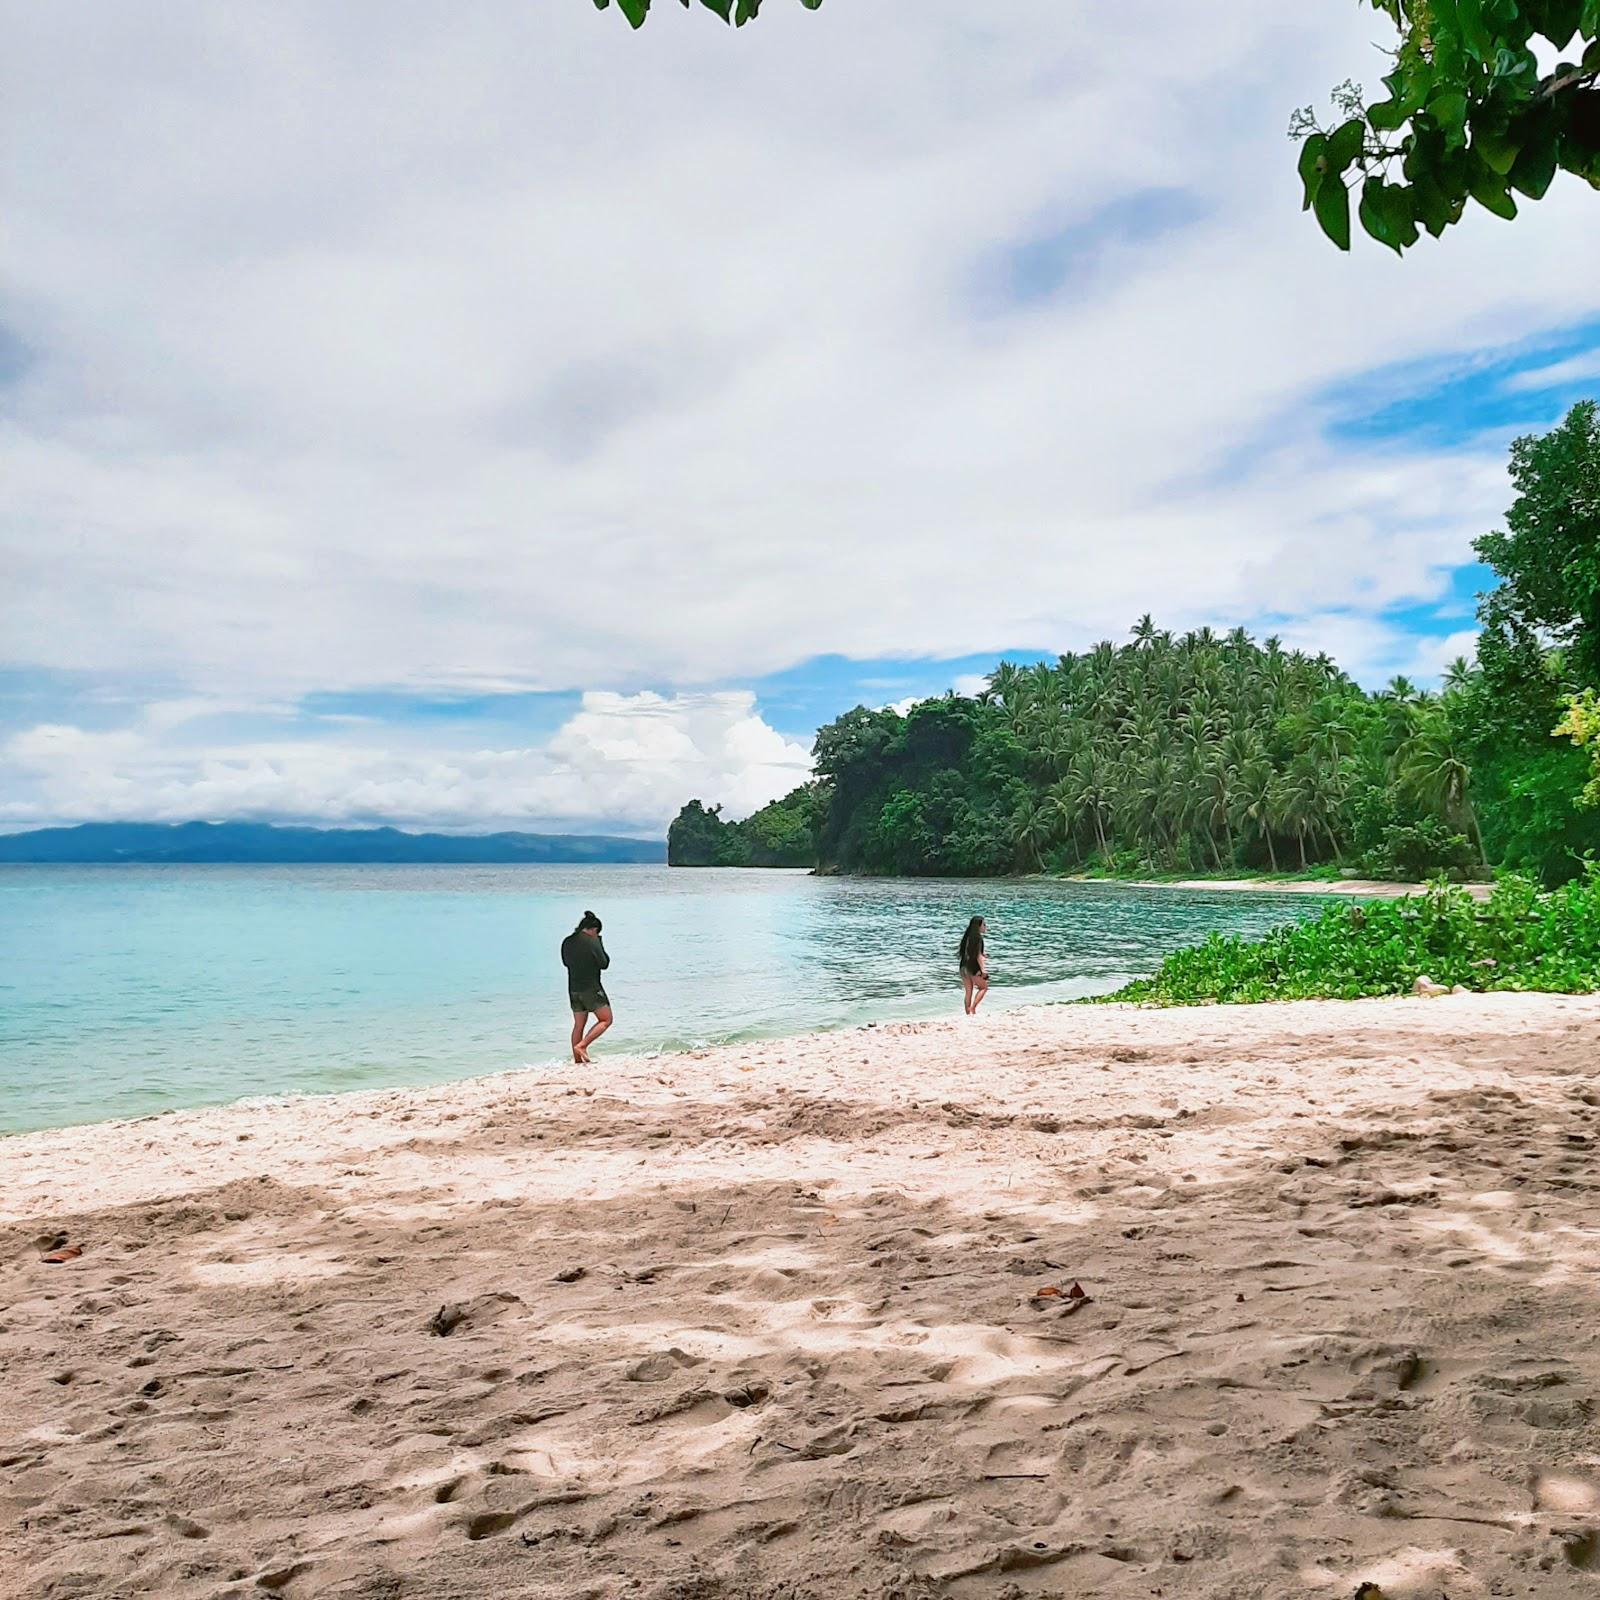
1362,888
760,1321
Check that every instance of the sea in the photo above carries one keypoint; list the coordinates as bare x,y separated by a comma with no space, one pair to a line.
127,990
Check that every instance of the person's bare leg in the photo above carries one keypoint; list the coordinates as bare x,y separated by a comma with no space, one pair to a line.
602,1021
580,1020
966,992
979,990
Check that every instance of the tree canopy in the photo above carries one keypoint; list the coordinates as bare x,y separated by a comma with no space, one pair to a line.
1468,114
738,12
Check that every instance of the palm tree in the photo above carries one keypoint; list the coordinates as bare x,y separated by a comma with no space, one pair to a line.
1086,781
1033,831
1144,632
1302,806
1458,674
1003,683
1258,803
1437,776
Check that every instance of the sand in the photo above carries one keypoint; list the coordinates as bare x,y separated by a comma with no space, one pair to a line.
1362,888
763,1321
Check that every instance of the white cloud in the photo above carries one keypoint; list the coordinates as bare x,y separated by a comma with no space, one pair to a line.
621,761
502,349
971,684
1432,656
1558,374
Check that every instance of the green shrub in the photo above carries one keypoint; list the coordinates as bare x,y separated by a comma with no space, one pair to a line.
1517,939
1412,851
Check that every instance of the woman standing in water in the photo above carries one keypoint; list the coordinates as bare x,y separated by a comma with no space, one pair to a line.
974,965
585,958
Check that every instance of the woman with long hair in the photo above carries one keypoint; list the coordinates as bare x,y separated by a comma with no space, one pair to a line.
974,965
585,958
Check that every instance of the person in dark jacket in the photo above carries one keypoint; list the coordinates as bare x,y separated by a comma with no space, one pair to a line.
585,958
974,965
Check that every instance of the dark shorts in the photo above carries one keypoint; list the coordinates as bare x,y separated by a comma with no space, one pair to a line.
588,999
972,972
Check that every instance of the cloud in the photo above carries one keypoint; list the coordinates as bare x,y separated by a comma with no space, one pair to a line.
367,347
1433,656
621,761
1583,368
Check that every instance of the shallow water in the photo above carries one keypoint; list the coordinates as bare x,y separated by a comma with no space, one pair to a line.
126,990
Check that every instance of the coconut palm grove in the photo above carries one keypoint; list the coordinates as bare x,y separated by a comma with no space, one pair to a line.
1217,752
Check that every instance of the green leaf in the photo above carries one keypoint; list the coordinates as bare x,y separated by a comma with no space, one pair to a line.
1535,165
1386,214
1561,20
635,11
1511,64
723,8
1498,151
1312,166
1448,111
1345,142
1488,188
1431,205
1332,206
1475,34
1386,116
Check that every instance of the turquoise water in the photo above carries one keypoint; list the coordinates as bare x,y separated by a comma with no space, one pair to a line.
126,990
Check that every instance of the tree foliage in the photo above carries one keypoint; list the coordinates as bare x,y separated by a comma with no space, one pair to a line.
1539,648
1202,753
1548,559
1467,115
738,12
1581,725
782,834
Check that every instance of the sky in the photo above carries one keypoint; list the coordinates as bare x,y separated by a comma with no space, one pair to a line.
491,417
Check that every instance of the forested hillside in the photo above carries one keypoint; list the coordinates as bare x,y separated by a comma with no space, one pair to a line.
1216,752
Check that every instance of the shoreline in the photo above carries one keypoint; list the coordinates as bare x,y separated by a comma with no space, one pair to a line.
767,1317
1360,888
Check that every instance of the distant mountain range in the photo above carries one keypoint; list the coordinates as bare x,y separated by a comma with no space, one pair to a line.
240,843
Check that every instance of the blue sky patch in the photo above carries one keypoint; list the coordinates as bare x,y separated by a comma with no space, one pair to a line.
1057,257
1450,402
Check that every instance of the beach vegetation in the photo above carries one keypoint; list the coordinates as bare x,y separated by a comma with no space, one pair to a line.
1519,938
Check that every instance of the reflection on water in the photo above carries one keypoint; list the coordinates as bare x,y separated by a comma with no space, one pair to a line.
125,990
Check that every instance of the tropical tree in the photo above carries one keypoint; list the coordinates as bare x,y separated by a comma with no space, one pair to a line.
1435,772
1581,725
1548,557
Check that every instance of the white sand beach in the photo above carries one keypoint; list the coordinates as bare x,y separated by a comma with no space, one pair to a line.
1360,888
794,1320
